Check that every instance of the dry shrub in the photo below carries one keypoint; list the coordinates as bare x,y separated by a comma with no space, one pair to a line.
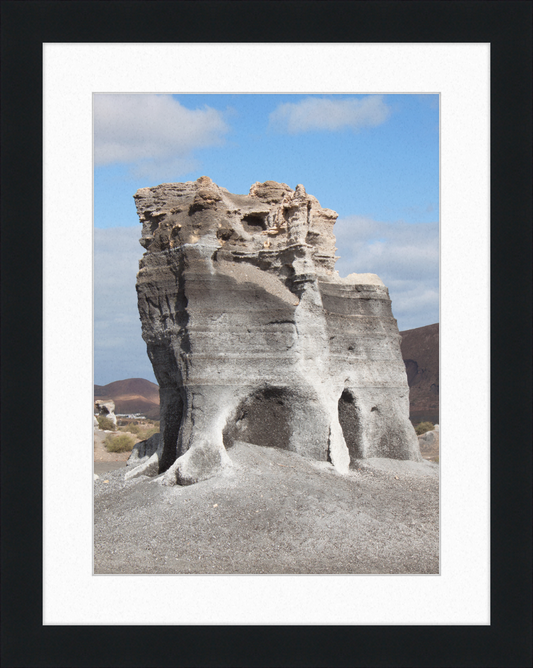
105,423
120,443
147,432
423,427
142,432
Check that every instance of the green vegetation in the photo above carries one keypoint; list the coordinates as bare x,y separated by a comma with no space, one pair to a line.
120,443
105,423
423,427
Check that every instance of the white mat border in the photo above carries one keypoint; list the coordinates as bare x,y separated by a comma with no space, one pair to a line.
461,74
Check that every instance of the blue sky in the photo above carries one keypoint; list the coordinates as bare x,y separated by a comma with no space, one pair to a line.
372,158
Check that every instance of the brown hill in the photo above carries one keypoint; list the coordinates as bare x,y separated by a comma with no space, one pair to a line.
420,352
133,395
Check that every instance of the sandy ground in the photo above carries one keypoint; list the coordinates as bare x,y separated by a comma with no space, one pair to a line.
108,461
272,512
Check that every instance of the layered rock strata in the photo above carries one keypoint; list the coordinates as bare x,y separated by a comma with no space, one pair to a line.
254,337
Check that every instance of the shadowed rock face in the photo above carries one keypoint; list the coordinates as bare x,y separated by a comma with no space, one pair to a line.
254,337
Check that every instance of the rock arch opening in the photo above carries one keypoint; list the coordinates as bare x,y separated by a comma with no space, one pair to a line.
350,421
263,418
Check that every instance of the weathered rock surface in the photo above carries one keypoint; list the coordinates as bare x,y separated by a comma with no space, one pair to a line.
106,409
143,450
254,337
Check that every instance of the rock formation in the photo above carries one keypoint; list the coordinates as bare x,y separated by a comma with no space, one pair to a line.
254,337
106,408
143,450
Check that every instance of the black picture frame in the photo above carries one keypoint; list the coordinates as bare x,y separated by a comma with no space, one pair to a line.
25,26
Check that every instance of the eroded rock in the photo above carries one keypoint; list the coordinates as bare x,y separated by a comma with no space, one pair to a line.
106,408
143,450
254,337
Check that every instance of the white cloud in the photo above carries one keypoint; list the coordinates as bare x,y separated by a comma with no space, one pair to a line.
119,350
331,114
154,133
405,256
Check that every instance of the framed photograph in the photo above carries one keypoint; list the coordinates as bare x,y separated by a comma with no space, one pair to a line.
61,57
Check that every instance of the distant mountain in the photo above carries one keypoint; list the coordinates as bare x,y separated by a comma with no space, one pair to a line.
420,352
133,395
